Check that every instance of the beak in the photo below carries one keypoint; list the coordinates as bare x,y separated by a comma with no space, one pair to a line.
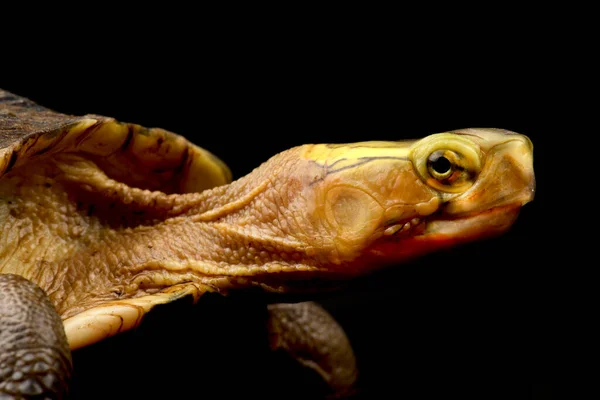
520,152
506,180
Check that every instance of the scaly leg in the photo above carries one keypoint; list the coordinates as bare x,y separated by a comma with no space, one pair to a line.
311,336
35,359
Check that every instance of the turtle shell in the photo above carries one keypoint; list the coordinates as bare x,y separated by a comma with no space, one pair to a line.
144,158
148,158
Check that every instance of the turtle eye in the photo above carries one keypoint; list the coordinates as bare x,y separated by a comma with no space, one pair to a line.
447,162
445,166
440,167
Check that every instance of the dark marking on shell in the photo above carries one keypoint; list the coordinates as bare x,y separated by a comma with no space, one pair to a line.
60,137
88,132
128,139
11,162
35,140
185,158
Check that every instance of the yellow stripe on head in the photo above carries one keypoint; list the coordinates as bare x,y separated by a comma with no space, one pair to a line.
346,155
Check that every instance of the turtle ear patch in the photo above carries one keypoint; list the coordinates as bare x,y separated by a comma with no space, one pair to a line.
353,213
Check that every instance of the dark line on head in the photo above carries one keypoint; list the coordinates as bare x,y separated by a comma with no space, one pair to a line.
359,145
331,165
363,160
384,158
333,171
467,134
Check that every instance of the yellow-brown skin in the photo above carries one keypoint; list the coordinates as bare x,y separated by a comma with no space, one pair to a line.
312,211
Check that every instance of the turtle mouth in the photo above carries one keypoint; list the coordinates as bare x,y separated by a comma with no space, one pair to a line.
472,224
478,223
401,242
403,228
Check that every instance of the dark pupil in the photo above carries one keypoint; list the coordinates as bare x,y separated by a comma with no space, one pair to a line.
441,165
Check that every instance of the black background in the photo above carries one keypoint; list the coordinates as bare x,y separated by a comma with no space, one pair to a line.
472,320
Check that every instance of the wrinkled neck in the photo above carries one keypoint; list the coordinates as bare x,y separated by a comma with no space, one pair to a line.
235,234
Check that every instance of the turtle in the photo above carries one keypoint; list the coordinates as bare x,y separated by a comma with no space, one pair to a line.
103,220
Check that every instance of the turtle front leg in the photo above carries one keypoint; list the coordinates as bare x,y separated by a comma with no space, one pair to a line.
35,359
310,335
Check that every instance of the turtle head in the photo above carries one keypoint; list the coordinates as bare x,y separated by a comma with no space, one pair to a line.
375,202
